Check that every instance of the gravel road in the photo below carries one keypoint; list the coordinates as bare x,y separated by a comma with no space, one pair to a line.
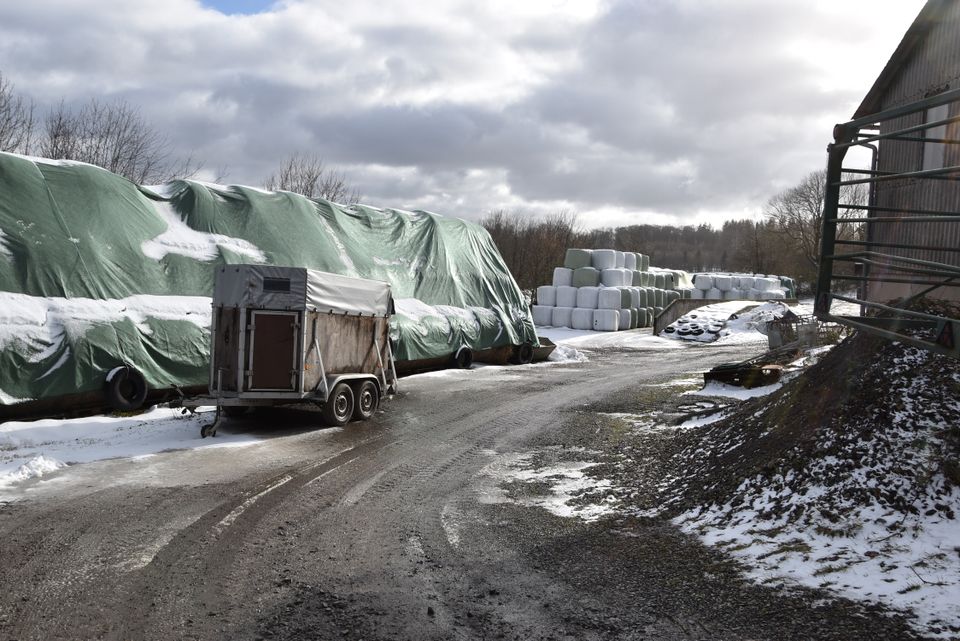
385,530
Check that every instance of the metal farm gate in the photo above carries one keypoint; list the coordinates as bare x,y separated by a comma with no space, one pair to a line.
904,244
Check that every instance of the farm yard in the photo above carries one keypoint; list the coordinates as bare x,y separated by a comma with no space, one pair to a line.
577,505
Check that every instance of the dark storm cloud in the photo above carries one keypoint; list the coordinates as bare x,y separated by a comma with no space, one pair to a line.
676,107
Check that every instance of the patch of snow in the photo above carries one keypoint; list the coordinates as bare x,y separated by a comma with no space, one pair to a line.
714,388
182,240
566,354
30,449
637,339
566,481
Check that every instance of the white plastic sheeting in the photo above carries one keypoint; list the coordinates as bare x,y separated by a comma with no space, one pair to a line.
588,297
562,277
566,296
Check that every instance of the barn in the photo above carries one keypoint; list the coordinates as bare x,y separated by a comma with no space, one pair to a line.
903,144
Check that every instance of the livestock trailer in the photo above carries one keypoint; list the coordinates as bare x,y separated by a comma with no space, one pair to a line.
284,335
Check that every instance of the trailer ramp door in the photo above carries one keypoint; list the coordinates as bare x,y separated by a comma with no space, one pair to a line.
273,363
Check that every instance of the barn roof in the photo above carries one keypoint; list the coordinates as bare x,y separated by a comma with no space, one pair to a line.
931,13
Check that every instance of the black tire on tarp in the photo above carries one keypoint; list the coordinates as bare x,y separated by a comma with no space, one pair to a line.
125,388
522,354
463,359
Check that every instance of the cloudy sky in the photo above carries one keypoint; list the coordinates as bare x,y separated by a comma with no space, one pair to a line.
625,111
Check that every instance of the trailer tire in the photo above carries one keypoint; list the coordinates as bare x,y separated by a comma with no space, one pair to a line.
339,407
125,388
522,354
463,359
366,400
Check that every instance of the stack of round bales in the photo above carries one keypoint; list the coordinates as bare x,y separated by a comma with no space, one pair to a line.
606,290
729,286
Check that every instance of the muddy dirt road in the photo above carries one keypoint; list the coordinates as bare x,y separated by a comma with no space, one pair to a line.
391,529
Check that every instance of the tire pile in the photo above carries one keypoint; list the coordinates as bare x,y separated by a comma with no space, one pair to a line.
607,290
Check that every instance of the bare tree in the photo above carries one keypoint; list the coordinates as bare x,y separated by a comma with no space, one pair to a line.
113,136
798,213
16,119
306,174
532,246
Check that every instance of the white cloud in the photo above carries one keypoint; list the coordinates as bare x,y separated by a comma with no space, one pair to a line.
623,110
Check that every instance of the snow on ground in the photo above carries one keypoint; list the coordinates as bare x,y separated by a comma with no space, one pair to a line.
713,388
865,510
559,487
32,449
636,339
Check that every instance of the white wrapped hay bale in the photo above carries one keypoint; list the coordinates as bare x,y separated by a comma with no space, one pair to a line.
703,282
562,277
566,297
613,277
772,294
609,298
586,277
604,259
723,283
547,296
732,294
745,283
620,259
624,319
696,294
713,294
543,315
754,294
606,320
669,280
761,284
588,297
635,298
562,316
581,318
660,280
629,261
672,295
577,258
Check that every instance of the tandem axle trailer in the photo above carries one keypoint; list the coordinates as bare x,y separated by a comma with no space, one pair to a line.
285,335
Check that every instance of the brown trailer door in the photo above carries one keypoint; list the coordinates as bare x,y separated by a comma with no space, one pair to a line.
274,361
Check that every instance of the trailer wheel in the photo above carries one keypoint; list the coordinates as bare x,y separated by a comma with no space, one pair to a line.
339,407
125,388
463,359
522,354
367,399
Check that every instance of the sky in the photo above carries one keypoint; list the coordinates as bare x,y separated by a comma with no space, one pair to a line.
622,111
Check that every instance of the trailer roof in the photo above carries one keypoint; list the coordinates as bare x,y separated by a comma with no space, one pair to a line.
277,287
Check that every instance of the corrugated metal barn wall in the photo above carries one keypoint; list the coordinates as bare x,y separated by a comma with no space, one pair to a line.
933,67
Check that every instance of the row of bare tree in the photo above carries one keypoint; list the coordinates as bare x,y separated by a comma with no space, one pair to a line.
785,241
115,136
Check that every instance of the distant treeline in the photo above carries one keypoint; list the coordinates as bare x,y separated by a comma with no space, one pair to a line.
532,247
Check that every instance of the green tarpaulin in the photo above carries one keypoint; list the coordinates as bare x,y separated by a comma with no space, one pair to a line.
96,271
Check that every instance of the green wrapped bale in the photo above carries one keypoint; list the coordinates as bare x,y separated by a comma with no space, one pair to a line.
586,277
577,258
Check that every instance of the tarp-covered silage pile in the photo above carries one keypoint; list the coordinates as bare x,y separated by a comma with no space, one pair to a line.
95,271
